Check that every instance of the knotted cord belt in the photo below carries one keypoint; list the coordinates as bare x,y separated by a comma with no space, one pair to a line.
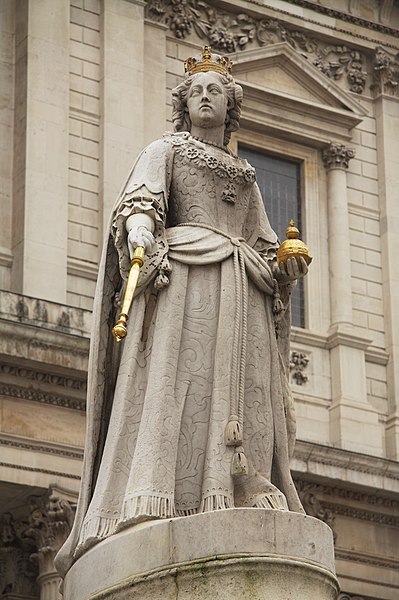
234,428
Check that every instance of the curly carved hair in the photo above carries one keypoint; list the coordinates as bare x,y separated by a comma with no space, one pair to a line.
181,119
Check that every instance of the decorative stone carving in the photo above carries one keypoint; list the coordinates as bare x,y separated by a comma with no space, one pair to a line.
344,596
50,522
298,363
365,560
313,505
43,378
18,573
37,447
343,59
350,15
43,397
349,503
337,156
228,32
385,72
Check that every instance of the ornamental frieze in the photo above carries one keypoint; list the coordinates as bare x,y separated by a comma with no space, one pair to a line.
42,377
227,32
326,502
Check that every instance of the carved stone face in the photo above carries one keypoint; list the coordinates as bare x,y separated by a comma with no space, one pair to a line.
207,101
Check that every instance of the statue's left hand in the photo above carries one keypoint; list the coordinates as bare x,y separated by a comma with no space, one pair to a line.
292,270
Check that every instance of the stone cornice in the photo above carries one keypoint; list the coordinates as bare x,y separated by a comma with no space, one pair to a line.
36,312
337,14
39,446
81,268
14,391
312,339
334,463
348,335
365,559
363,515
43,377
24,342
5,257
329,501
30,469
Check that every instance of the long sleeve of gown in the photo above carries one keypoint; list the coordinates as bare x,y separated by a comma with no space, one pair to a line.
146,191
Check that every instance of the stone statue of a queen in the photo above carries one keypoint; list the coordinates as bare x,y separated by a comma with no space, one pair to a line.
192,412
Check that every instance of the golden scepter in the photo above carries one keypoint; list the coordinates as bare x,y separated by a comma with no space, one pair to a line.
119,331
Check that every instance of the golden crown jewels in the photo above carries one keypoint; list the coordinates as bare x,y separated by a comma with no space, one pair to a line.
208,62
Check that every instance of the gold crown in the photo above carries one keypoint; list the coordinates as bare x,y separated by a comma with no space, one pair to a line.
208,62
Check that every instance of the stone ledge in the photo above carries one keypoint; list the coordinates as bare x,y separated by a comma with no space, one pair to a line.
349,467
26,310
234,553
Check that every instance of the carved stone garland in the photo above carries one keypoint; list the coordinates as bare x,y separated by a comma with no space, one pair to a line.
298,363
228,32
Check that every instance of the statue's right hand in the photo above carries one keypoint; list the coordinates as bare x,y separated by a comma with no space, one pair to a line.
139,235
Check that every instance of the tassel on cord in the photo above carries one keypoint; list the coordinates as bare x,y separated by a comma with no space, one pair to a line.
239,464
278,306
164,270
233,432
162,280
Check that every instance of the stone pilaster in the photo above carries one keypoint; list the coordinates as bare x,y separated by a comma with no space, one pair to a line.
387,127
347,346
122,95
154,81
40,170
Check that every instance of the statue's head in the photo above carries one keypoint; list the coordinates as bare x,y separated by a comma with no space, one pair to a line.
208,96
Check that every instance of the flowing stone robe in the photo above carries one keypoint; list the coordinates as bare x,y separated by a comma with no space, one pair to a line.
202,347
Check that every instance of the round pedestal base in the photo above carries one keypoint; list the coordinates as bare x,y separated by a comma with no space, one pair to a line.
246,554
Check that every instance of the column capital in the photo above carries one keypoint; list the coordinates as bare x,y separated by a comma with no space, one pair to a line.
385,73
50,522
337,156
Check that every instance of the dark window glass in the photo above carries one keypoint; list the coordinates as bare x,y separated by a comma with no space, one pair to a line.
279,183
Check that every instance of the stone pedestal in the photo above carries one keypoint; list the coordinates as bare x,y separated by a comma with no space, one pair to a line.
236,553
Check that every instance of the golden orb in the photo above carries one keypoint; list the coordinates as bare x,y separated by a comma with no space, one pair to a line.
293,247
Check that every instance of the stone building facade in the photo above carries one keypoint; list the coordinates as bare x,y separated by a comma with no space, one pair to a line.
84,85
